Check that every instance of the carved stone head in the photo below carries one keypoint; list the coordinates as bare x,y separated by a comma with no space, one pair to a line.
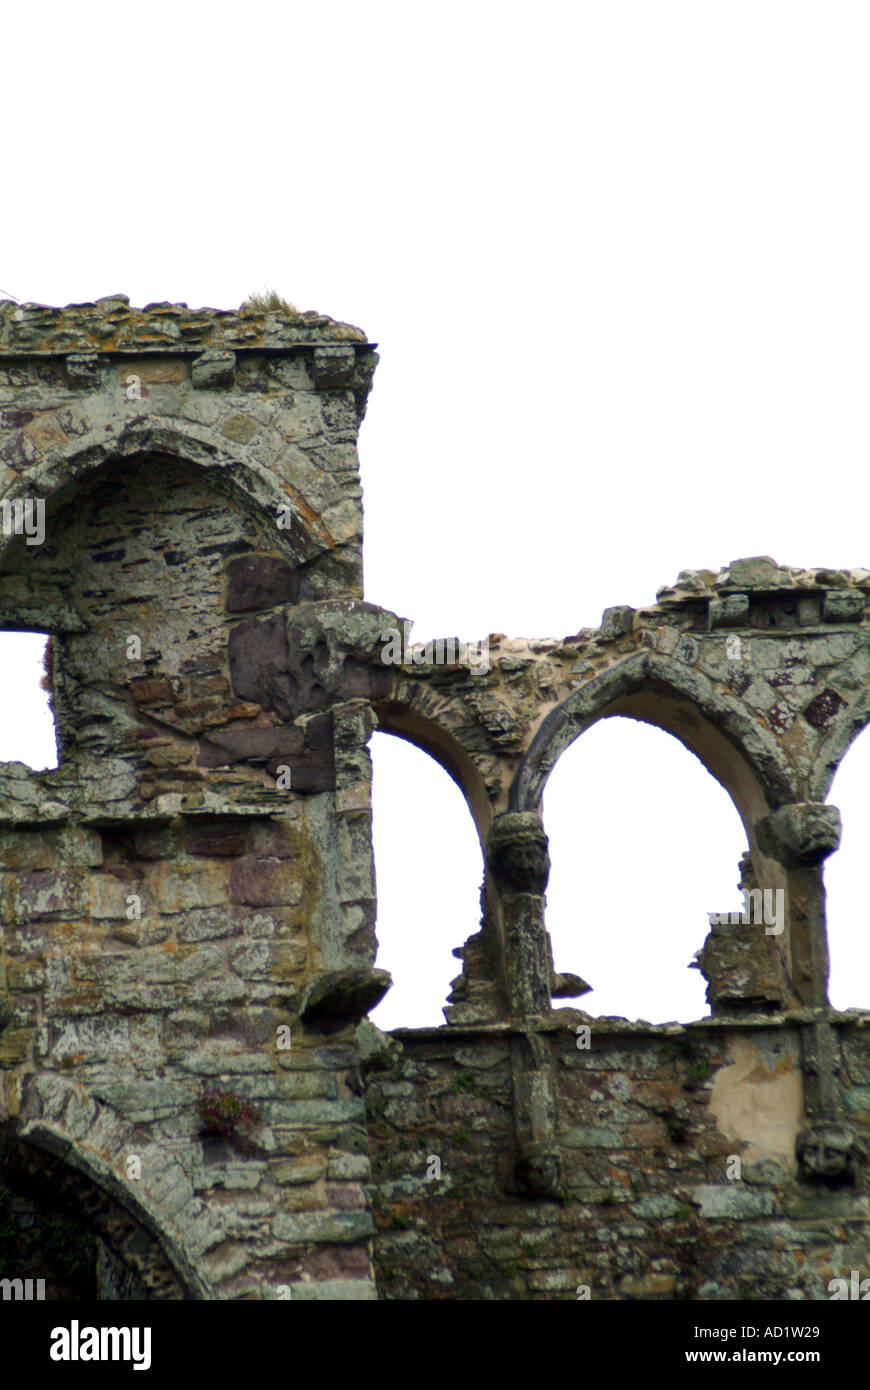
538,1171
830,1152
517,852
801,834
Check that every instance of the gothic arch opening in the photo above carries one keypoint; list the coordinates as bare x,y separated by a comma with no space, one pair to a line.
733,746
644,844
28,732
59,1225
429,867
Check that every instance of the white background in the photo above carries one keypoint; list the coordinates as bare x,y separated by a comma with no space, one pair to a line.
616,259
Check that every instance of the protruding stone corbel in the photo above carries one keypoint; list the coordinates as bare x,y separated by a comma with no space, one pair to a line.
830,1152
535,1170
538,1171
340,998
567,986
800,835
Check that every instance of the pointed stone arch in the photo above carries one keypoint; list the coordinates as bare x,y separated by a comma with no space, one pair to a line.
479,993
406,719
713,724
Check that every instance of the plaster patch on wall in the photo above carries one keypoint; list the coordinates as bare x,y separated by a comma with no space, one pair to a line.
758,1101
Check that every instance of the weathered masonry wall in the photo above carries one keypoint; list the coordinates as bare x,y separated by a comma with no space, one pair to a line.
635,1201
166,899
187,908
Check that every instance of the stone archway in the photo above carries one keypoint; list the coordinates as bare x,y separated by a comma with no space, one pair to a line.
229,467
735,749
712,724
479,991
62,1185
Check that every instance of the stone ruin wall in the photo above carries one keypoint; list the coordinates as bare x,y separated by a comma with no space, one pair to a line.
187,902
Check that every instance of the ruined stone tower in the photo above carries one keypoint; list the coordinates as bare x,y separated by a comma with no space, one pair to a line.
188,909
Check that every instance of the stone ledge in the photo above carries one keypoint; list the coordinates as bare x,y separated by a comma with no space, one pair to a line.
113,325
567,1020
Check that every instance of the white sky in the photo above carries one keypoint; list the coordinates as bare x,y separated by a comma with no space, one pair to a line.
616,260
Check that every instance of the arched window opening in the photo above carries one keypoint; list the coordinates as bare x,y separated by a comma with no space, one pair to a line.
70,1237
644,845
845,873
28,732
429,868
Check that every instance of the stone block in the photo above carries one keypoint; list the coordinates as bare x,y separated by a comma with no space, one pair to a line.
731,611
843,606
265,883
83,370
732,1203
260,581
213,369
338,1227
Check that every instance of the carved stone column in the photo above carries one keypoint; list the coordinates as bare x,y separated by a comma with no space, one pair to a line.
801,836
518,859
